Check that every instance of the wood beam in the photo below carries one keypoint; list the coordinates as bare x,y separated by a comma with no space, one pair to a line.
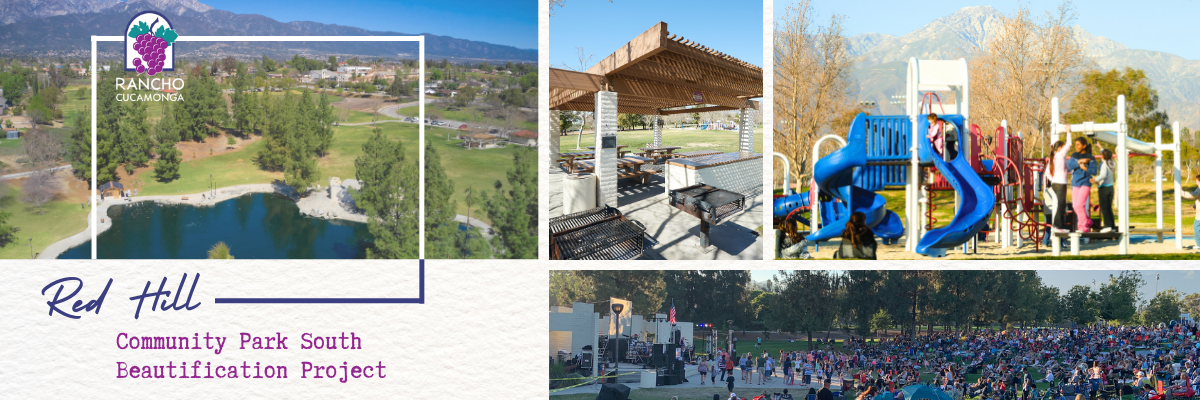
561,78
643,46
696,110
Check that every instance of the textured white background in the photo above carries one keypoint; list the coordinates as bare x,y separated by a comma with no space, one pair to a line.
479,334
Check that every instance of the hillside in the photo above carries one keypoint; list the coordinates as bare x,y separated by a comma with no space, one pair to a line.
68,34
884,60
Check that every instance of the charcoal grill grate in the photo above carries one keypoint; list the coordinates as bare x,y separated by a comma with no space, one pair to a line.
601,233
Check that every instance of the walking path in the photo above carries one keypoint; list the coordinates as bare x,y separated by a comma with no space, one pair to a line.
25,174
744,389
57,248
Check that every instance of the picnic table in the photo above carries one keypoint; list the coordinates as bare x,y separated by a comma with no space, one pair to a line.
697,153
620,151
631,164
658,152
569,158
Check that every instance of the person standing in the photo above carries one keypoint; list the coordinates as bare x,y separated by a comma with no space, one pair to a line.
1195,194
703,370
1104,178
1082,166
1056,174
825,393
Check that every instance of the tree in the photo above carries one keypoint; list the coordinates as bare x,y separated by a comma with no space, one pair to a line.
230,141
39,189
279,122
514,211
1097,101
464,96
1164,307
441,233
108,118
645,289
79,149
389,197
229,65
1014,76
332,64
1119,297
133,136
880,321
166,132
806,301
813,82
42,148
566,120
1079,305
219,251
1191,304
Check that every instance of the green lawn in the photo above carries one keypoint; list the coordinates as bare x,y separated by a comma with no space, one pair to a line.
470,115
10,145
227,170
348,141
1168,256
72,104
62,219
688,139
478,169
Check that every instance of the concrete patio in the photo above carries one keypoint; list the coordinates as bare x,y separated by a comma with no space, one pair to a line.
672,234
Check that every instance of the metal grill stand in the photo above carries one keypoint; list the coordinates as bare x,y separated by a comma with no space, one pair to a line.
710,205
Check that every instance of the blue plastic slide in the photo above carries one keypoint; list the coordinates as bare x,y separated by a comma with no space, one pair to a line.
976,199
835,175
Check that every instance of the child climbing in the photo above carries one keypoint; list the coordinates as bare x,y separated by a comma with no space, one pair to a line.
1082,166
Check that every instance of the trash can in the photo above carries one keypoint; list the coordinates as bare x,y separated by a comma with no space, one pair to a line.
579,193
649,379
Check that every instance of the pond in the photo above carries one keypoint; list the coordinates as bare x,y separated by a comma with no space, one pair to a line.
254,226
80,252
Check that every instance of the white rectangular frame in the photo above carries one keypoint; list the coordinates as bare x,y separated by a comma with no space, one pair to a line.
95,217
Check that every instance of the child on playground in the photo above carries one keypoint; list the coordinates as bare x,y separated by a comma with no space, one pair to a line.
1195,194
857,240
934,134
1104,178
1056,174
1083,167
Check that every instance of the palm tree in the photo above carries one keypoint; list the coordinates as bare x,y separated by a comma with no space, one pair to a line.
219,251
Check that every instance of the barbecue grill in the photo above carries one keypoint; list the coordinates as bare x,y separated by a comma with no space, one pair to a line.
601,233
709,204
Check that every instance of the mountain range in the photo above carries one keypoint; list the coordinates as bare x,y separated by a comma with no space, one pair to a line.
884,60
64,28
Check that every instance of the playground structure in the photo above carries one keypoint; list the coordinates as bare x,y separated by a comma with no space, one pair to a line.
997,195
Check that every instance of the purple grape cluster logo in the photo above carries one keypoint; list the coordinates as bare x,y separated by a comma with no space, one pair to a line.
151,49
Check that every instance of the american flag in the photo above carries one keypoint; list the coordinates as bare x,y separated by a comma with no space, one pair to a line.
672,312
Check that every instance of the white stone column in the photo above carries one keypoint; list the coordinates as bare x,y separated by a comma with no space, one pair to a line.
746,130
657,130
606,159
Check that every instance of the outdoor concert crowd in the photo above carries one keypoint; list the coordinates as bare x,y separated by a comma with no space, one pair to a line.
1092,362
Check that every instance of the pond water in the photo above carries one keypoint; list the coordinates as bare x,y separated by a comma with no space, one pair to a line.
80,252
254,226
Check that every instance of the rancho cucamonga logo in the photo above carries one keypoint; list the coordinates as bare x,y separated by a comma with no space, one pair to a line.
150,44
150,50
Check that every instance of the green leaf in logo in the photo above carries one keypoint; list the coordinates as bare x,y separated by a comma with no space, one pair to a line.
139,29
166,34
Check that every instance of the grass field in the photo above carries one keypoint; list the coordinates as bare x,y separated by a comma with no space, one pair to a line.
355,117
690,140
238,168
61,220
477,169
347,145
470,115
72,104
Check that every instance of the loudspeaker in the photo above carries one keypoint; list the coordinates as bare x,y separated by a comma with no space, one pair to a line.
613,391
619,347
656,358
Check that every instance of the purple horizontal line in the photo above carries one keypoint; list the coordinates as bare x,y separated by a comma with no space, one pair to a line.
331,300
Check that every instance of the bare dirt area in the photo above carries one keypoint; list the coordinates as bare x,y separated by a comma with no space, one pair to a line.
363,104
70,189
213,146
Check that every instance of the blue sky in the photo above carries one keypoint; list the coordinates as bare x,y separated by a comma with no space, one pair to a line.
1162,25
509,22
1184,281
734,28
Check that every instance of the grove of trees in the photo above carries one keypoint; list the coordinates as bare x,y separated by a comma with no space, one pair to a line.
863,302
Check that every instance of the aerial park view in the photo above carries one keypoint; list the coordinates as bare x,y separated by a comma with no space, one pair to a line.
964,172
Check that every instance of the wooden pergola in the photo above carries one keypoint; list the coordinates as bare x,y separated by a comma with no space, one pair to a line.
658,73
